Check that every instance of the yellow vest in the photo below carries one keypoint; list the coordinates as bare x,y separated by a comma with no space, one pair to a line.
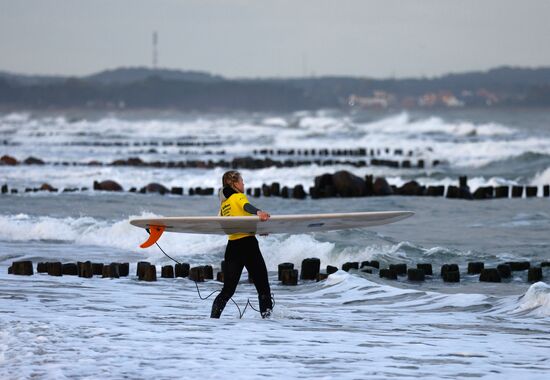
234,206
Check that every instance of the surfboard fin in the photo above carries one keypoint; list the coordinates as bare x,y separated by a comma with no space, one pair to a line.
155,232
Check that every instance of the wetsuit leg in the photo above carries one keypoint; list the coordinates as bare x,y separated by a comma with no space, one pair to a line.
255,264
233,268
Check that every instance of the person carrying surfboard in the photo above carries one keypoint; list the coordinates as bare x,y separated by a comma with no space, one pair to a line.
242,248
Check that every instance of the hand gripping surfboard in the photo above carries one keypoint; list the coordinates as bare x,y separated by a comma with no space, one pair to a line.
277,224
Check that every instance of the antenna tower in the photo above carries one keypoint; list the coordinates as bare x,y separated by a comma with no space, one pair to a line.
155,49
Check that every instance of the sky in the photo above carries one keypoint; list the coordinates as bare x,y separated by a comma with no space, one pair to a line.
274,38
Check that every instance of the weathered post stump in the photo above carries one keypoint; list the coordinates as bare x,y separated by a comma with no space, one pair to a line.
517,191
141,268
310,268
97,269
115,270
451,276
426,267
85,269
22,268
504,270
197,274
208,272
449,268
502,192
182,270
150,273
475,267
220,277
331,269
55,269
289,277
388,273
167,271
110,271
400,269
534,274
123,269
70,269
489,275
283,266
416,275
531,191
350,265
519,265
373,263
42,268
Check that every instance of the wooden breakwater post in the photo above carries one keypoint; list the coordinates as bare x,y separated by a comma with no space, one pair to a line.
489,275
504,270
282,267
350,265
400,269
289,277
85,269
415,274
373,264
310,268
182,269
475,267
426,268
111,271
21,268
97,269
70,269
55,269
388,273
141,267
42,267
450,273
534,274
519,265
123,269
331,269
197,274
209,272
167,271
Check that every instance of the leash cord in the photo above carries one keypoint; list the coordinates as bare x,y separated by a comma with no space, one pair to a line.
241,314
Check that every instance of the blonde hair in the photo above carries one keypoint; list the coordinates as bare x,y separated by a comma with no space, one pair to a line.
230,178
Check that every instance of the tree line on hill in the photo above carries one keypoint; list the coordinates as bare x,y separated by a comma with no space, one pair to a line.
147,88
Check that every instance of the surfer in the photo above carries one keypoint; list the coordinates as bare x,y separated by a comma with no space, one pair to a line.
242,249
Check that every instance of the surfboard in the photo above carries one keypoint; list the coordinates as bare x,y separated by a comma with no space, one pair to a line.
277,224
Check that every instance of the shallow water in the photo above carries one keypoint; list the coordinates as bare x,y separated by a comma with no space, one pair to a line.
353,326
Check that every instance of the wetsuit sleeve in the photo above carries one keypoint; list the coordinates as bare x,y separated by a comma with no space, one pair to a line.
251,209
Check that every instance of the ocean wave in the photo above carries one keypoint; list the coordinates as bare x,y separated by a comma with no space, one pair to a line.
541,178
536,300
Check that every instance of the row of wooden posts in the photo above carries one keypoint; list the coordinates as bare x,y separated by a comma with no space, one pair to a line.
286,272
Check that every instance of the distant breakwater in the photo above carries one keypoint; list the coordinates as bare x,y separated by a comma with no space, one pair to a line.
340,184
261,159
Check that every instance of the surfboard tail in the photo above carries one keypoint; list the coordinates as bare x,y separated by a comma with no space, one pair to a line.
155,232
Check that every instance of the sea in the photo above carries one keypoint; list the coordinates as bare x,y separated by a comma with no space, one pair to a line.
353,325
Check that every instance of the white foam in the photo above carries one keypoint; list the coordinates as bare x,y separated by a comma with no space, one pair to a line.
536,299
541,178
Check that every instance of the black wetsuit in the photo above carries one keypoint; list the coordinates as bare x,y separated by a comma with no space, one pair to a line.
241,253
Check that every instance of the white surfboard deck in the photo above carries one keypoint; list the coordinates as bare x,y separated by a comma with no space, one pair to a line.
277,224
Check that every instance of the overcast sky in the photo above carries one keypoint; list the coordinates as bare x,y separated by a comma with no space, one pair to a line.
274,38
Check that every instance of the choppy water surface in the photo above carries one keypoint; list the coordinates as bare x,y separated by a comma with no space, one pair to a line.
353,325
